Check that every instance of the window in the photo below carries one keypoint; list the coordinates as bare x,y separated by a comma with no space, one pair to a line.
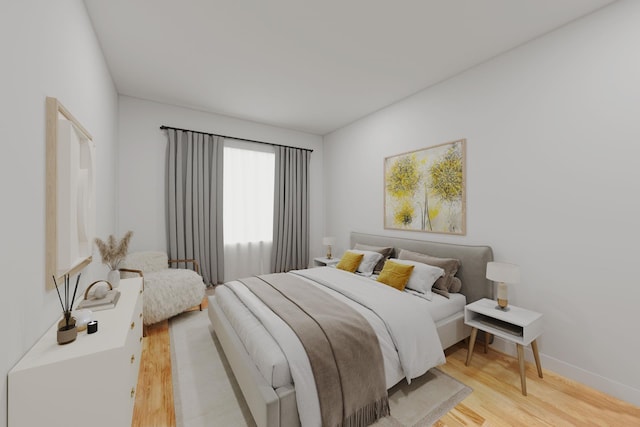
249,171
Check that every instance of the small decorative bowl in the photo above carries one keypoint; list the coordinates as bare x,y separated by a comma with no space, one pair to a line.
82,316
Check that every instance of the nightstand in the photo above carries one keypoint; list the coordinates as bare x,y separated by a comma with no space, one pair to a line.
325,262
517,325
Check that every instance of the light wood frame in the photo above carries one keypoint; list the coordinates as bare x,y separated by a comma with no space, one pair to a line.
54,111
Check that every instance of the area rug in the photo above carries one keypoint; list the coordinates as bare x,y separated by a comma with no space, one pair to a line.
207,395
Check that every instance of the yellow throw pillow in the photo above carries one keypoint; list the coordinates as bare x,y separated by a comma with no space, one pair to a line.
395,275
350,261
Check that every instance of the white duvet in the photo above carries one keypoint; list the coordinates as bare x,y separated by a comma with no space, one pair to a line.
407,335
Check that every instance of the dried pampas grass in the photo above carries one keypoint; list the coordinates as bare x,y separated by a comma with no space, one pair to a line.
112,252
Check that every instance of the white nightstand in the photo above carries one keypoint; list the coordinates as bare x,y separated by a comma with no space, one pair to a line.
325,262
517,325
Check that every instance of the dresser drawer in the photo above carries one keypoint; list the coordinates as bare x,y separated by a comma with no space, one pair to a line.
135,325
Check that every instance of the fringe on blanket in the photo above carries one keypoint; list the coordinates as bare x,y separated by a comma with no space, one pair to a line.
368,414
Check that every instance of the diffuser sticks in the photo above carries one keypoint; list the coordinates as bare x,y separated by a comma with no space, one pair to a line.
67,332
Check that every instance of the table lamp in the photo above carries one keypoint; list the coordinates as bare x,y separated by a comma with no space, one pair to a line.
328,242
503,273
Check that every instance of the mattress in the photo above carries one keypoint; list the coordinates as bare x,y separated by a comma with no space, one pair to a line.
267,355
441,308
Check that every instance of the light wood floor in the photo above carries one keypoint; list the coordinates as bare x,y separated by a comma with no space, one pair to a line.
154,394
496,399
551,401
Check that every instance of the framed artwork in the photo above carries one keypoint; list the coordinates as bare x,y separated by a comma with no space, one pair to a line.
70,200
425,190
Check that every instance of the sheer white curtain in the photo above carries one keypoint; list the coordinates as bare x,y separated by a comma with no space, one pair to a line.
249,171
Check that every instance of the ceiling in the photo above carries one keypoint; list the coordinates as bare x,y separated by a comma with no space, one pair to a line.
312,66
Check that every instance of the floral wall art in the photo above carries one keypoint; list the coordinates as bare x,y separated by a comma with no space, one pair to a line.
424,190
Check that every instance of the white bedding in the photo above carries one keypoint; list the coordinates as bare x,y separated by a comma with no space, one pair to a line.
407,326
266,353
442,308
260,345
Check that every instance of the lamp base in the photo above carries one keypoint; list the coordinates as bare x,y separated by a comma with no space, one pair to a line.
503,304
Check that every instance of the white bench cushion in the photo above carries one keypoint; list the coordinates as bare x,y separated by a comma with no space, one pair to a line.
169,292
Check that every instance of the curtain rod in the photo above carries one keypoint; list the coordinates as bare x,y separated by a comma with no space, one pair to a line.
163,127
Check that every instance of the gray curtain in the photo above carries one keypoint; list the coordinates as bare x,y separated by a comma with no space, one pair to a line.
291,210
194,201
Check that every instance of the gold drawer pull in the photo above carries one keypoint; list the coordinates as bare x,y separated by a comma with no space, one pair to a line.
133,392
133,325
133,358
140,315
140,290
141,339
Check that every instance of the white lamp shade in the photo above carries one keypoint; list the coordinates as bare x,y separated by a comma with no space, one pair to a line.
328,241
503,272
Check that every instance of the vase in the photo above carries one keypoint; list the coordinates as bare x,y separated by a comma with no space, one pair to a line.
67,332
113,277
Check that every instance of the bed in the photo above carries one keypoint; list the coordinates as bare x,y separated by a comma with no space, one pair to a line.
263,373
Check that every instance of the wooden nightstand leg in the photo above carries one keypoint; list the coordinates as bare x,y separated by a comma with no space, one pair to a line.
472,341
534,347
523,378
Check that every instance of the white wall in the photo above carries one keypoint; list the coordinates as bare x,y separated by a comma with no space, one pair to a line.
552,133
143,161
48,49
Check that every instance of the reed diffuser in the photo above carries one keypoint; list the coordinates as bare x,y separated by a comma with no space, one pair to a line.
67,331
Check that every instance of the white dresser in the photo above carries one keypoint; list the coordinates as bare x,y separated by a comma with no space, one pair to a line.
89,382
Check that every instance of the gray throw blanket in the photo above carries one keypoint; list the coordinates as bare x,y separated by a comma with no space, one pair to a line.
342,347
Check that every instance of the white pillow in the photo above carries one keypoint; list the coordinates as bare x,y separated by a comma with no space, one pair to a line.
422,277
369,261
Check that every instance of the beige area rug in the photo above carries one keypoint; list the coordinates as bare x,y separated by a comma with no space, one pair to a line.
207,395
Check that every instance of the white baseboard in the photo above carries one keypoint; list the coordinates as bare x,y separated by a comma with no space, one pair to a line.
606,385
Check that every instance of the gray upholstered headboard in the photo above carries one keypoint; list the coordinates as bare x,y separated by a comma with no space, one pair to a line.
474,260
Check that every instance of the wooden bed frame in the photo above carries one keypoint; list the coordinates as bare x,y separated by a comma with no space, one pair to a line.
277,407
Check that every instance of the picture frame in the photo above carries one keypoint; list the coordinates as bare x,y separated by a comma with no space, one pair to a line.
425,190
70,194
